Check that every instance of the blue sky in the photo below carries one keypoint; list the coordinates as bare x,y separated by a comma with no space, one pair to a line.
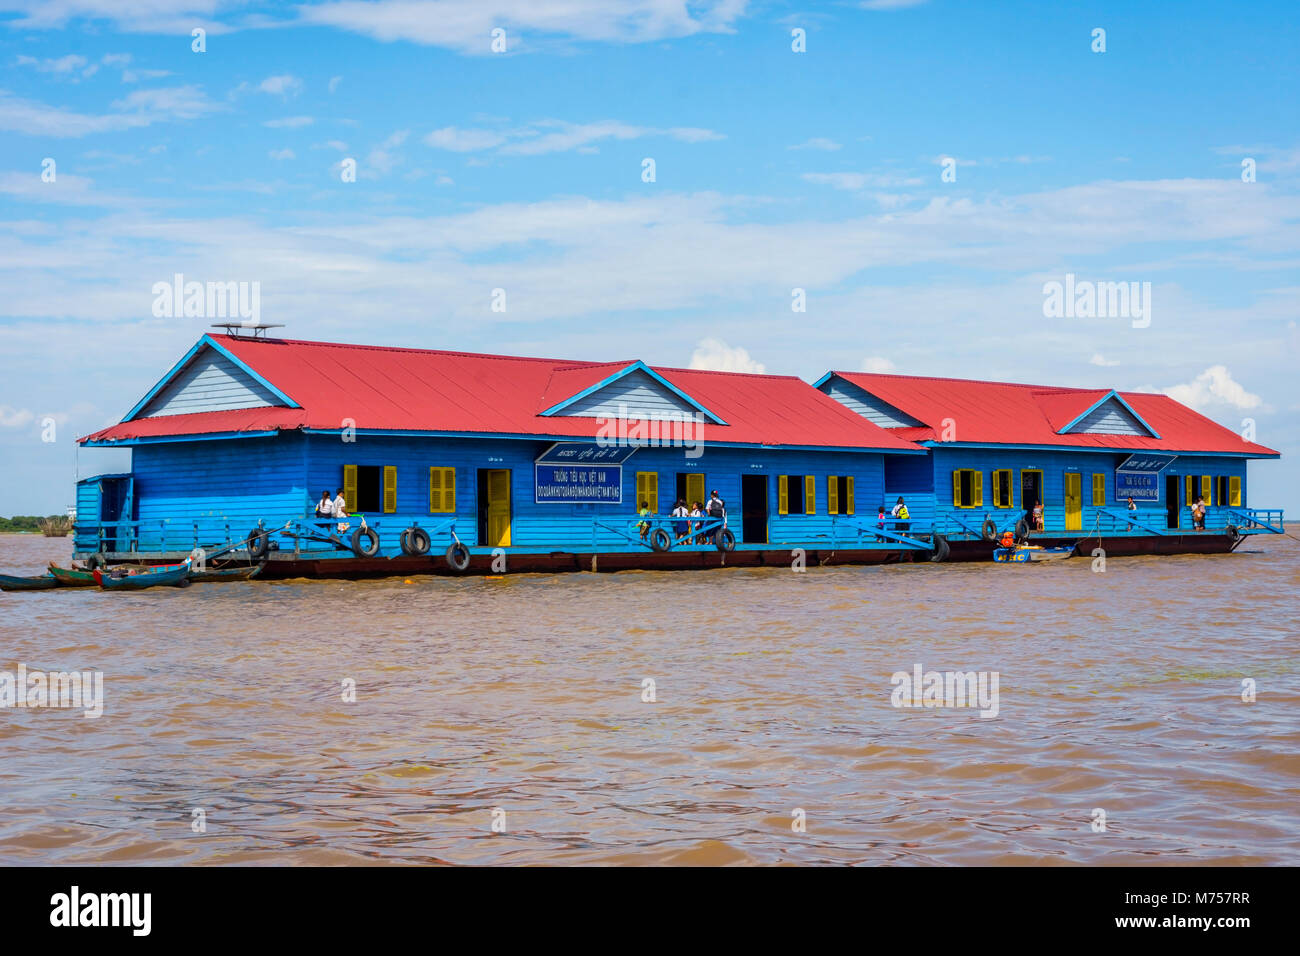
774,170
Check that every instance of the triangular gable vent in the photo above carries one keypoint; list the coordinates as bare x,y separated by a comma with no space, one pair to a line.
1110,416
210,382
635,393
873,409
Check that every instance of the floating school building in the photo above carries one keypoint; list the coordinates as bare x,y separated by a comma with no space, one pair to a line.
454,462
996,450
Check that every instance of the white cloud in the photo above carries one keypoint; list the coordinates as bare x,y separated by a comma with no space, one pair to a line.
140,108
1099,359
62,65
15,417
282,85
466,25
381,160
856,182
289,122
878,364
1213,388
555,136
817,142
334,83
281,154
715,355
464,140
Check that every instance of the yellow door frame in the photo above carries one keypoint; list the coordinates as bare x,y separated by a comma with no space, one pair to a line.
1073,502
498,509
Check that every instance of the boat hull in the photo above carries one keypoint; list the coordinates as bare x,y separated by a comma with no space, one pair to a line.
43,582
169,576
72,577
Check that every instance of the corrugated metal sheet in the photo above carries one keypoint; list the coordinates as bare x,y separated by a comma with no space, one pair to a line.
393,389
1009,414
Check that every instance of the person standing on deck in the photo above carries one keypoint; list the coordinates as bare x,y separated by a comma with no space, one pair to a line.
681,528
644,526
1198,514
697,511
1038,516
717,509
901,514
325,507
1132,506
340,506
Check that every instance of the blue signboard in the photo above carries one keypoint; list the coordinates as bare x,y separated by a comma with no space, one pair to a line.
580,473
1138,476
1138,485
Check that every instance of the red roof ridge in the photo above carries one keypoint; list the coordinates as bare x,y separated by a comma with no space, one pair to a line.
1055,389
564,363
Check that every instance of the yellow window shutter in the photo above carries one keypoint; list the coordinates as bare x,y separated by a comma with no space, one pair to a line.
1187,490
652,489
782,495
979,488
390,489
449,490
435,489
350,487
832,495
956,489
694,489
848,492
1207,489
997,489
1234,491
809,494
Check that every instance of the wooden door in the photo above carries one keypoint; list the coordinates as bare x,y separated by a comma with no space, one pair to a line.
498,510
1073,501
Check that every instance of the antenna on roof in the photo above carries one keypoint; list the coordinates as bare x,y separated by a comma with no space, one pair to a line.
252,326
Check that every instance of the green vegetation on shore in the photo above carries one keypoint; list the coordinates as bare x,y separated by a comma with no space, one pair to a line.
26,523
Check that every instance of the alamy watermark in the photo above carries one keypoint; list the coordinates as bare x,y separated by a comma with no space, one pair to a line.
676,429
57,689
1085,299
922,688
207,300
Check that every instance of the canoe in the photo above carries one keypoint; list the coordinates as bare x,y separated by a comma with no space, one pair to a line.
72,577
42,582
1030,553
176,575
225,574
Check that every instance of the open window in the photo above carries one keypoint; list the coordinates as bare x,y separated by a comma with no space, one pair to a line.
967,488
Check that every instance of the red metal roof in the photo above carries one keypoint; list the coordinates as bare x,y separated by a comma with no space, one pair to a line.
1002,413
397,389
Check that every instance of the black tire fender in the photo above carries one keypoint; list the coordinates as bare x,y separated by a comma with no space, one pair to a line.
457,556
415,541
940,548
660,539
725,540
988,530
1022,529
371,547
259,542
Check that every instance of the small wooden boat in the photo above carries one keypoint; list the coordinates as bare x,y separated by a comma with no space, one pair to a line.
72,577
41,582
1027,553
225,574
172,575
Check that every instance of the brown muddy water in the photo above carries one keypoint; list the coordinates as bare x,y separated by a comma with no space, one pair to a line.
1119,690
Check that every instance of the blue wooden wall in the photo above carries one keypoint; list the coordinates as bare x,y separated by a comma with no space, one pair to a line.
571,525
1054,465
223,487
